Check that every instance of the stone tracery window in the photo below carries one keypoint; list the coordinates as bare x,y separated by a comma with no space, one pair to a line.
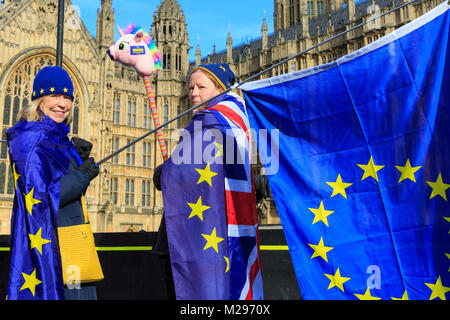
15,95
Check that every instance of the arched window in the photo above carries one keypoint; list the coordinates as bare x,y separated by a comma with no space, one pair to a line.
167,58
10,187
16,107
116,108
7,110
178,60
3,147
2,177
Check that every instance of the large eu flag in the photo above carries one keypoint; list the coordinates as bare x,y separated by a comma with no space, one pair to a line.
363,166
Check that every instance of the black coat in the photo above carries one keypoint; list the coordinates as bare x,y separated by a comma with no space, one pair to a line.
73,185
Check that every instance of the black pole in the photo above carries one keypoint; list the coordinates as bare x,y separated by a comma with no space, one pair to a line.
60,36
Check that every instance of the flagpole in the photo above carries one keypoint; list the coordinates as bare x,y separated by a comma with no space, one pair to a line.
60,33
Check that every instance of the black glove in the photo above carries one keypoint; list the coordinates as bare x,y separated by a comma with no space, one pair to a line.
90,167
82,147
157,177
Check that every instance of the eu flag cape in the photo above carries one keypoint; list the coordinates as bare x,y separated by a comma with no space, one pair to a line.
40,152
210,207
359,156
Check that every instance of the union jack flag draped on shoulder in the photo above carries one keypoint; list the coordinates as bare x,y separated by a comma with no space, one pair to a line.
210,206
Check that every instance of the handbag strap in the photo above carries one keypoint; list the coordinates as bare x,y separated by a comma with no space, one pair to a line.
83,200
84,206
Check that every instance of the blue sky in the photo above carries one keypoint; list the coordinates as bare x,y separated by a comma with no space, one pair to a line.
207,20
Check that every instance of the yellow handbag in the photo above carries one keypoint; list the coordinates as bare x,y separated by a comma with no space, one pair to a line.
79,257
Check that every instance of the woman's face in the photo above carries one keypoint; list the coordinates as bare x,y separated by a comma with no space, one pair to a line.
201,88
56,106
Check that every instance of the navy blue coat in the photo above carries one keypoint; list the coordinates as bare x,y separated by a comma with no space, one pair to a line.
73,185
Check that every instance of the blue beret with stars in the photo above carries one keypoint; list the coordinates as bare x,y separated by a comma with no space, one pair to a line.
52,80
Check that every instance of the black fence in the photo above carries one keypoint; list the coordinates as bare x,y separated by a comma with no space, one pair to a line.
133,272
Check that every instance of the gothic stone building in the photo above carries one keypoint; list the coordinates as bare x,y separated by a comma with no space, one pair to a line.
111,109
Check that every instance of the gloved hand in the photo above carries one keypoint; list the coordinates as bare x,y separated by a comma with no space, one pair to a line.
82,147
157,177
90,167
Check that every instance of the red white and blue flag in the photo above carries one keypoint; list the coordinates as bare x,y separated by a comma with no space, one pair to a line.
210,207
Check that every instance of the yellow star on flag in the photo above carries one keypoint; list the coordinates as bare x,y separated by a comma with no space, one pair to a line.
16,175
227,260
366,296
31,281
212,240
448,220
437,289
448,256
439,187
339,187
205,175
320,250
219,149
52,89
321,214
65,90
407,171
30,201
404,297
370,169
36,241
337,280
42,91
197,209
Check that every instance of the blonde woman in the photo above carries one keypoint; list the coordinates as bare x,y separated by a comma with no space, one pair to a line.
50,179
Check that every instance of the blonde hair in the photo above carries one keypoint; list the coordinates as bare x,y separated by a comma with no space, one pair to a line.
32,112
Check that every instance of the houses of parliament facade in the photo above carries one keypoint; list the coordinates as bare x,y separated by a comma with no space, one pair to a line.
110,106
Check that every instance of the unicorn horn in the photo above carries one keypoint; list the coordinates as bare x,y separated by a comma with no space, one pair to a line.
120,31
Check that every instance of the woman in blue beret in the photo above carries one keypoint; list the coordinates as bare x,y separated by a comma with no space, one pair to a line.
52,174
210,218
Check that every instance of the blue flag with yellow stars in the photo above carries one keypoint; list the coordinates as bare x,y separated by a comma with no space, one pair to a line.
359,156
40,152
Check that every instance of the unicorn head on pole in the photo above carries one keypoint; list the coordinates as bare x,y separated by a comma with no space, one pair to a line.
137,49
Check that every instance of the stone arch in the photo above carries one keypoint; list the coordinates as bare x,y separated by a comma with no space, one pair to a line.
16,85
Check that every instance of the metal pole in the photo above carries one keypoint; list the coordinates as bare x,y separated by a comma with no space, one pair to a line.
237,85
60,33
